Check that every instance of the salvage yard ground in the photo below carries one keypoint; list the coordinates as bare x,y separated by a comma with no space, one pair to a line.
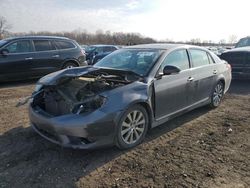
203,148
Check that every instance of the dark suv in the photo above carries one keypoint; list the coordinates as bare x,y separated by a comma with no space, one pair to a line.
94,53
36,56
239,59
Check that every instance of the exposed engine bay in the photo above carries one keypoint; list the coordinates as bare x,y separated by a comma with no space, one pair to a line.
78,94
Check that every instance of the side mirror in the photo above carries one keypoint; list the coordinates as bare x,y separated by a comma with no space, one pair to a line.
95,53
4,52
170,69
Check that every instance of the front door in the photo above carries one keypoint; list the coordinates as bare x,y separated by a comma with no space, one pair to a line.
16,64
172,91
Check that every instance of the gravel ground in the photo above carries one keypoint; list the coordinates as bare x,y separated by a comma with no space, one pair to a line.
203,148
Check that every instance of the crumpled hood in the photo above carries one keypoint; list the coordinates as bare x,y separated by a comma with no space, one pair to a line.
52,78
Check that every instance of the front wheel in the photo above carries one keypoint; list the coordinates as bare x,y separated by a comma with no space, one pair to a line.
217,95
132,128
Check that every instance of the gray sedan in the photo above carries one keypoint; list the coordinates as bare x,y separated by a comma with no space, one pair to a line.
130,91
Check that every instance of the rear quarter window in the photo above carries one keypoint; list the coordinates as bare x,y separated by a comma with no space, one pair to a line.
64,44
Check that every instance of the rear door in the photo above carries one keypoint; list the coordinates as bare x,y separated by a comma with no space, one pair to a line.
47,58
172,91
204,73
17,63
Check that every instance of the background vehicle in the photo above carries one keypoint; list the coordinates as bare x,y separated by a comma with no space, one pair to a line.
243,42
126,93
83,46
239,59
95,53
36,56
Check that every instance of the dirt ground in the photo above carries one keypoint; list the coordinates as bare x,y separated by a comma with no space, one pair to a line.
203,148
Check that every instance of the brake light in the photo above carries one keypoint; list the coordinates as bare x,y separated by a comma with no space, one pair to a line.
229,66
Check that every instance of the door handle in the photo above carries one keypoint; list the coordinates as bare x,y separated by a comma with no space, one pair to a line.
215,72
28,58
55,56
190,79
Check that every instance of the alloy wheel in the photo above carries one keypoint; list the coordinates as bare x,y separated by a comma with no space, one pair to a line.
217,95
133,127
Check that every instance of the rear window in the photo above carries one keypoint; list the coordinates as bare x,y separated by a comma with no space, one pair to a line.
199,57
64,44
43,45
109,49
243,42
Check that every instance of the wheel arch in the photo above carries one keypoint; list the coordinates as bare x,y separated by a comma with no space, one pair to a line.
221,79
70,61
148,109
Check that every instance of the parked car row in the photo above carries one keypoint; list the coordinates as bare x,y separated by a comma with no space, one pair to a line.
36,56
95,53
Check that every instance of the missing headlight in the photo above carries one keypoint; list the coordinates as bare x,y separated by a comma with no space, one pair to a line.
89,104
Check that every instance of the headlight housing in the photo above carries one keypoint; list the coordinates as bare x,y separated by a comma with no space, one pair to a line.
89,105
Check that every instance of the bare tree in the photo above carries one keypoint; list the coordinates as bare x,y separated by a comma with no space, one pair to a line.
232,39
4,27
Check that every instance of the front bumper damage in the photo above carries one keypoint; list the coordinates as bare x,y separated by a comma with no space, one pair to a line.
93,130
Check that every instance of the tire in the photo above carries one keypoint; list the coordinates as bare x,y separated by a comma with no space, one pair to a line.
132,127
69,65
217,94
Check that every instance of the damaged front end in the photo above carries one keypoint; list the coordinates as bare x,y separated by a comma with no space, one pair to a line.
73,109
77,95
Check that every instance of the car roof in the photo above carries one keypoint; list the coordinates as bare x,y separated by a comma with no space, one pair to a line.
103,45
240,49
161,46
36,37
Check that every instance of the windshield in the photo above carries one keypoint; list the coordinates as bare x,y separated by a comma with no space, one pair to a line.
2,42
139,61
243,42
89,48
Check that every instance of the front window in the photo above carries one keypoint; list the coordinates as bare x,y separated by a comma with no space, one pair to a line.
22,46
139,61
178,58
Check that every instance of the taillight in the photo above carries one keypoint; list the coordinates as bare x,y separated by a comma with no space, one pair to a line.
229,66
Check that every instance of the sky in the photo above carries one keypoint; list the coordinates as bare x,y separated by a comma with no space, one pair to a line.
177,20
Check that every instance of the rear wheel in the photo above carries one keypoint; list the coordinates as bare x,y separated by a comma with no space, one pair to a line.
69,65
217,95
132,127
